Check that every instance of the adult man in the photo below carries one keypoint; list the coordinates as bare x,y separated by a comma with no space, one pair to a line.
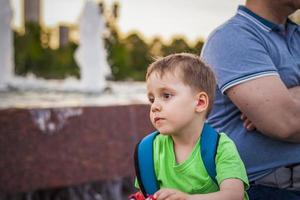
256,58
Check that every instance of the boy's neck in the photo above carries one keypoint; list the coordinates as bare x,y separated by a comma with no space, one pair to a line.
184,143
190,135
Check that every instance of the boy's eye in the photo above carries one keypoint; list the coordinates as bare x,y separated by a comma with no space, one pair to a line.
167,95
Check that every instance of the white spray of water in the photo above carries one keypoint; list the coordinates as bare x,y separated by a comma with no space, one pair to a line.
91,54
6,43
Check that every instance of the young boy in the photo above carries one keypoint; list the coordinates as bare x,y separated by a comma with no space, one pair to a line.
181,91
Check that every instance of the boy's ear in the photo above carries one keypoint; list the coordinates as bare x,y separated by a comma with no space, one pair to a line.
202,102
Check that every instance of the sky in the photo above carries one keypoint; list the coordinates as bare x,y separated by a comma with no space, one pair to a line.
165,18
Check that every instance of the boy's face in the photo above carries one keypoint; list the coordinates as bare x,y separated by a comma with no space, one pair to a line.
173,104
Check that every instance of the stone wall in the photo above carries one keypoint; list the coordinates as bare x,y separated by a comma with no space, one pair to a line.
62,147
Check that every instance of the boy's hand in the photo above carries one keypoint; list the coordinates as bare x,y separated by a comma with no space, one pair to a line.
170,194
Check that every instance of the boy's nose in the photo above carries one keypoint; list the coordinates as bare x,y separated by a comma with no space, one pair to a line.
155,107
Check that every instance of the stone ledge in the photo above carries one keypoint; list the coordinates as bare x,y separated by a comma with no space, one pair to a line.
59,147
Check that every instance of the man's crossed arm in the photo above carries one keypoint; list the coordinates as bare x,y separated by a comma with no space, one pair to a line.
270,106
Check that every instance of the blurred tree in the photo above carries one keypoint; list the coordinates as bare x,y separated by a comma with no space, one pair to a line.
115,9
177,45
155,47
118,56
29,52
198,47
101,7
128,57
139,56
63,63
33,55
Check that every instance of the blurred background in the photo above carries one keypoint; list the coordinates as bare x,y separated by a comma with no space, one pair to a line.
136,32
72,93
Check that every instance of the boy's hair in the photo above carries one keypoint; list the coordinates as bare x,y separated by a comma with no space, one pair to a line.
194,72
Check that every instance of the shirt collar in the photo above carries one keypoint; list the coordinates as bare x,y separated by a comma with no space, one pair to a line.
262,22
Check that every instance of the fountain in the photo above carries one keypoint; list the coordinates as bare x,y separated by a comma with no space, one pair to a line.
31,91
68,139
6,55
91,56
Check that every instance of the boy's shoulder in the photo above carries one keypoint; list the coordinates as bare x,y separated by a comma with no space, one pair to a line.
227,152
228,161
225,141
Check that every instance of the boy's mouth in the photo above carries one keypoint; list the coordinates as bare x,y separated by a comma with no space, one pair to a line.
157,119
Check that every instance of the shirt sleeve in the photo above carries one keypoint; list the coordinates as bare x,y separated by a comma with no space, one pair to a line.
228,162
237,54
136,183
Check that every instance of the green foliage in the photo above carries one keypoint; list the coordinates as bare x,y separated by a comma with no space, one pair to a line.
32,57
198,47
118,57
128,57
28,50
61,63
139,57
177,45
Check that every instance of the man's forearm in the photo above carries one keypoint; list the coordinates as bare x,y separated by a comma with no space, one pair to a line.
289,125
270,106
295,92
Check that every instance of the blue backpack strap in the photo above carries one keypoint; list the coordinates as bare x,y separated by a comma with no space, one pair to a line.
144,165
208,148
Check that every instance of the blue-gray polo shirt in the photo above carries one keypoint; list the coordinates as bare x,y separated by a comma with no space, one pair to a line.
247,47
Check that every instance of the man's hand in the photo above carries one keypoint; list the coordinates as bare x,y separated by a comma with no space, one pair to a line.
170,194
247,123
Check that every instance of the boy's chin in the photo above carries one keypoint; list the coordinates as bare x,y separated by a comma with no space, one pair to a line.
164,132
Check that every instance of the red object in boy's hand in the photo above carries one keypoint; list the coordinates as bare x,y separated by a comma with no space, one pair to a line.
140,196
136,196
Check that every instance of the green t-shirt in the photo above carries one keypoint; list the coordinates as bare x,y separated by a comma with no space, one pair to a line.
191,176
